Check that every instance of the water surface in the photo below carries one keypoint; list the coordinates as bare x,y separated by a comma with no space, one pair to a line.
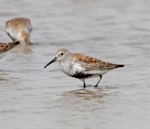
116,31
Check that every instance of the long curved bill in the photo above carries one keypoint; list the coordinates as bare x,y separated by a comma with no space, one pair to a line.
53,60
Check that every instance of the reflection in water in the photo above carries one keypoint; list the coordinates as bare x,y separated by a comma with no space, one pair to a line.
84,94
6,80
2,79
24,49
80,106
2,54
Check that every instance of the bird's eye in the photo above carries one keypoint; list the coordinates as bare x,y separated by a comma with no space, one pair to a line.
61,54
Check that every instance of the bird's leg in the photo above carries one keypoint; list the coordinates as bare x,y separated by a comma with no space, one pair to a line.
100,77
84,85
11,37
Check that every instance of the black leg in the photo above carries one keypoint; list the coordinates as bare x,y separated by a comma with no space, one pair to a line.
11,37
84,85
100,77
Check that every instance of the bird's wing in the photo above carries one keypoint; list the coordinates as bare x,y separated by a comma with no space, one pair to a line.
90,63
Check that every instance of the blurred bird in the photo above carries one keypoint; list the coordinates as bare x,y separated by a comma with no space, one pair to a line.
19,29
4,47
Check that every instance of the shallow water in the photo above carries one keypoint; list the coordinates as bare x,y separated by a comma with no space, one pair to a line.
116,31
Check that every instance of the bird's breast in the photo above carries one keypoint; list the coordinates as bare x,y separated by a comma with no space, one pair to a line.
71,68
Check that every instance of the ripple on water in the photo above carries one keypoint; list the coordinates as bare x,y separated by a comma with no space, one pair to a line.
88,94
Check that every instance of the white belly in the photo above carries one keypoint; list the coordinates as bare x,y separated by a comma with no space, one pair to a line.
76,68
67,69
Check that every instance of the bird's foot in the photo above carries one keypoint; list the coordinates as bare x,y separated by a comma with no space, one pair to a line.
95,85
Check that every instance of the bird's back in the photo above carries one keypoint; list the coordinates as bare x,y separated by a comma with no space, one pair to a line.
90,63
19,24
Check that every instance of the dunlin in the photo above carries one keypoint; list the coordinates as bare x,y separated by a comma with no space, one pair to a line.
7,46
81,66
19,29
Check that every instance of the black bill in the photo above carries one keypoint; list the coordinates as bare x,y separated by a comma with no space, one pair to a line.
53,60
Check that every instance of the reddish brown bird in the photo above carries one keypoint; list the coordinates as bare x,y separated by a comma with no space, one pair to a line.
81,66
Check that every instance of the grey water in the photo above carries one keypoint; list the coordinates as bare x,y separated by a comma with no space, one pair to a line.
116,31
